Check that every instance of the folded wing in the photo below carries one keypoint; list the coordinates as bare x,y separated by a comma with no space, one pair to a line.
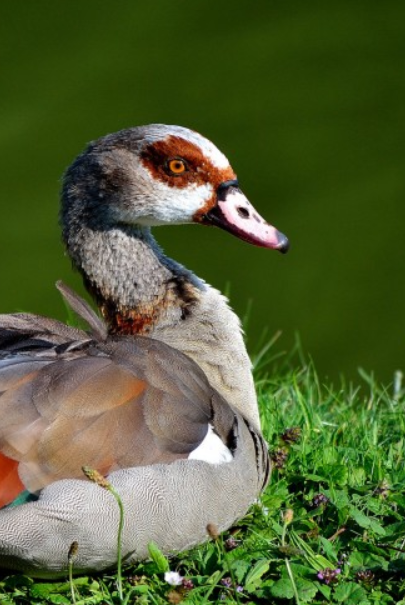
69,398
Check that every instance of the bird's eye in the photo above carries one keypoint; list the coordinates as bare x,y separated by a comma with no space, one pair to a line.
176,166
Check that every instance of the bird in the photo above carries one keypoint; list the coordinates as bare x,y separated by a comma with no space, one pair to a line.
156,392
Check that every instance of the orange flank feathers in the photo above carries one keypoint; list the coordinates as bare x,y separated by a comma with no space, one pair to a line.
10,483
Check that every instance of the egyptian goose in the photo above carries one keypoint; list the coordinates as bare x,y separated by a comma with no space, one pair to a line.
158,394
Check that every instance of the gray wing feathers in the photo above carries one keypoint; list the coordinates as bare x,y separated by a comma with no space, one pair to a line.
83,310
169,504
117,404
24,331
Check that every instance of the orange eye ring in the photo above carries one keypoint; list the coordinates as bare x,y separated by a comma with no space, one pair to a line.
176,166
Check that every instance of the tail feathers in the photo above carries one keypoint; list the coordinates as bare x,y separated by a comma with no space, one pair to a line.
10,483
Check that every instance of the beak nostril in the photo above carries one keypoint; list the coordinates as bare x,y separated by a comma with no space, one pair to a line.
243,212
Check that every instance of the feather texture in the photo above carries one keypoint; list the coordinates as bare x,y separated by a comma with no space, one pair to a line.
109,404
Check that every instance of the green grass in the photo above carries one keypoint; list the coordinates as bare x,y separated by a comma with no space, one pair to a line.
336,501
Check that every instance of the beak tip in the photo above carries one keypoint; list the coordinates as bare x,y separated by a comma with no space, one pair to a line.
283,244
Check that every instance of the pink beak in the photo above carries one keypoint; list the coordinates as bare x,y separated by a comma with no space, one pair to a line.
234,213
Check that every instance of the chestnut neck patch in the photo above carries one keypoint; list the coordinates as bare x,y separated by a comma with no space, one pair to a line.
140,320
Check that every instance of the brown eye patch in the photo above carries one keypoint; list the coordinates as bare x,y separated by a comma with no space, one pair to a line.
159,159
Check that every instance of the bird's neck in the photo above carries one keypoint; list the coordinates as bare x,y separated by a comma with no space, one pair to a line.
140,291
136,287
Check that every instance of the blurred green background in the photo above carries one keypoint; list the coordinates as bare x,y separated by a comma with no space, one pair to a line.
305,98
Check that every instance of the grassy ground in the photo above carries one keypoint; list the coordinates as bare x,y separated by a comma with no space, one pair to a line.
330,527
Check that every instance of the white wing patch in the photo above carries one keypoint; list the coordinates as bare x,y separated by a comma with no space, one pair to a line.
211,449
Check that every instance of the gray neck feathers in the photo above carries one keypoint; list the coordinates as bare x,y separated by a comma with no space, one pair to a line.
125,265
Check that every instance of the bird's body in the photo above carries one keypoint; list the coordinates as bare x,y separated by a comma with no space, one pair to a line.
161,387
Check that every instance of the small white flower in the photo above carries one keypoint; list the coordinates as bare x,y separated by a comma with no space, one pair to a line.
173,578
